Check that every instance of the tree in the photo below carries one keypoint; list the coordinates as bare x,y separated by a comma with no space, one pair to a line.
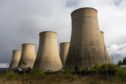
120,62
123,62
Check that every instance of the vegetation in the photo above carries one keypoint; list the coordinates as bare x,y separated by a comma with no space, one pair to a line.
123,62
100,74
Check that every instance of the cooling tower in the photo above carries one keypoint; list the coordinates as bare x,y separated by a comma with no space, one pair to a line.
28,55
107,57
102,47
16,55
64,47
84,49
48,58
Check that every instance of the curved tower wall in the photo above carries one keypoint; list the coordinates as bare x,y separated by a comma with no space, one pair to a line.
84,46
64,48
108,59
28,55
102,47
48,54
16,55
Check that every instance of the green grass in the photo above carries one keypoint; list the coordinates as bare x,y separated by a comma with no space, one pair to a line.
79,76
57,78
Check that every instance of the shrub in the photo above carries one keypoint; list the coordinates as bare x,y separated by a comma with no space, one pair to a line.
10,75
121,73
77,68
95,69
37,73
110,69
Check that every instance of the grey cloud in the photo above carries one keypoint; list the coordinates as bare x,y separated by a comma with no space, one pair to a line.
4,65
118,2
72,3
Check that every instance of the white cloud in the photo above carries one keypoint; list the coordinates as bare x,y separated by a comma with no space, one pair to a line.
4,65
118,51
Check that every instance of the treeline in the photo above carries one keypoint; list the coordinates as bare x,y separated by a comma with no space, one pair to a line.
106,70
123,62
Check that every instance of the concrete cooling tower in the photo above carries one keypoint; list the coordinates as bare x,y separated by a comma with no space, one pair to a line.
28,55
108,59
64,47
16,55
48,58
84,49
102,47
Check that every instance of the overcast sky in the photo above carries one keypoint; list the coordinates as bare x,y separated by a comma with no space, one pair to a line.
22,20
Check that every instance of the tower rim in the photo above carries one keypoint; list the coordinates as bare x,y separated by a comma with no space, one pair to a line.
82,8
28,44
64,43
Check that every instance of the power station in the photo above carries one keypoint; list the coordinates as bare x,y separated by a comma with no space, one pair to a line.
48,58
28,56
64,48
16,55
86,49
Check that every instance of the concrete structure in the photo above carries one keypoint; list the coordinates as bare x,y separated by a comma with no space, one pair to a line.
64,47
107,58
84,49
28,55
16,55
48,55
103,51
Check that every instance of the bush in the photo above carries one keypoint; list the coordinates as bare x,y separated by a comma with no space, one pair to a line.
121,73
37,73
104,69
77,68
95,69
109,69
10,75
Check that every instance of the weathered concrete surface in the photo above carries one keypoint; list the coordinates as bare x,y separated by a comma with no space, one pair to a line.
102,47
48,54
16,55
28,55
85,40
107,57
64,48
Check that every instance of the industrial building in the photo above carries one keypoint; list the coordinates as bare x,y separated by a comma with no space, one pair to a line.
48,58
85,49
28,56
64,48
86,46
16,55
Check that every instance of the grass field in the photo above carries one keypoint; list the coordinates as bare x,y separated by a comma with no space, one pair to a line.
57,78
114,74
